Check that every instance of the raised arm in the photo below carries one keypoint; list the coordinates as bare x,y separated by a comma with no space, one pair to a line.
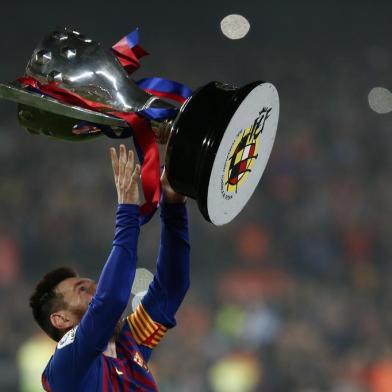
83,343
114,286
171,281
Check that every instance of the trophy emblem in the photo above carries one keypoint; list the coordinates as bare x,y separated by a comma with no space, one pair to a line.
219,138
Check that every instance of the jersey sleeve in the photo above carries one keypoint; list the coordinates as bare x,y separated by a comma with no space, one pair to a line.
156,313
80,346
171,280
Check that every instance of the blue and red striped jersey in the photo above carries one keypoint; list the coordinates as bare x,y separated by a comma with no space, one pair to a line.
78,363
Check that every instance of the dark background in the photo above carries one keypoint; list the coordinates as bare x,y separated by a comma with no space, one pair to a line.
295,294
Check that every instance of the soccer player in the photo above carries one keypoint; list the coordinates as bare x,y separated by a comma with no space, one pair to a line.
97,351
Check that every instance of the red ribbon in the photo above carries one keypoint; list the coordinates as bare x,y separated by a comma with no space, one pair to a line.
141,130
128,52
128,57
150,173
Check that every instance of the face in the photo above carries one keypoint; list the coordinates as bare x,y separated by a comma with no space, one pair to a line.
77,294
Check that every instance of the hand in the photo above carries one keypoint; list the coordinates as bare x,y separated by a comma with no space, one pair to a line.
169,195
126,176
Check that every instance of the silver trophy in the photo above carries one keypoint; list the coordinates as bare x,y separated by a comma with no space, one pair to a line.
218,143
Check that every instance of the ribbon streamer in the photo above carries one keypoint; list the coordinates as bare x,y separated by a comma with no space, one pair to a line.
128,52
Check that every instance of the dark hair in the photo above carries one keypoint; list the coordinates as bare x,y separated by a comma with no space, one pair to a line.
44,301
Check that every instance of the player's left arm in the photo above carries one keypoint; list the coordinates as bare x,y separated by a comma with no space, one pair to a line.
156,314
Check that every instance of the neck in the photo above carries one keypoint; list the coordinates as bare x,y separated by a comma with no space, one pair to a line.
111,350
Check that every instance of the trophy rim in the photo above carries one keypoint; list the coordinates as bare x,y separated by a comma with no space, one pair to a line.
221,123
232,202
15,92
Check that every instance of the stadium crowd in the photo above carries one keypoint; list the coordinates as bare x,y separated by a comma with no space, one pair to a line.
294,295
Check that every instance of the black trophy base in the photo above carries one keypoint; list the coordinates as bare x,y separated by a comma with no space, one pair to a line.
196,135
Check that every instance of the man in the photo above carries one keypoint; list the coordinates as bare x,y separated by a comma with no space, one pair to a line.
96,351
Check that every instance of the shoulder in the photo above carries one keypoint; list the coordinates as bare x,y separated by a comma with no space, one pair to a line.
72,362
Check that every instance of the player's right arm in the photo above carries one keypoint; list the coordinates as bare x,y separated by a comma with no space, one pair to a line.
114,286
79,347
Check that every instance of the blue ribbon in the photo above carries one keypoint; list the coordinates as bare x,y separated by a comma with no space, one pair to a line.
174,90
133,38
165,86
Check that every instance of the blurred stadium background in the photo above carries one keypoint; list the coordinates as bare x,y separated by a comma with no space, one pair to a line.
295,294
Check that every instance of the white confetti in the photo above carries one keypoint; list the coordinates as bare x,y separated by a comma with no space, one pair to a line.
380,100
143,278
235,26
137,299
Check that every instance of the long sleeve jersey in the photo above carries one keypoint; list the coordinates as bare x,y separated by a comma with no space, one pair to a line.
78,363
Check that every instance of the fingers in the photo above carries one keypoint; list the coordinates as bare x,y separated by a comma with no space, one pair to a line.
169,195
122,162
130,162
128,169
164,176
136,172
134,178
126,175
113,154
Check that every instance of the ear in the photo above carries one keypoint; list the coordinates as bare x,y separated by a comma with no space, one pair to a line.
61,320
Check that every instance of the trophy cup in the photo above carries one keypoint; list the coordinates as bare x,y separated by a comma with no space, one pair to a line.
218,141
